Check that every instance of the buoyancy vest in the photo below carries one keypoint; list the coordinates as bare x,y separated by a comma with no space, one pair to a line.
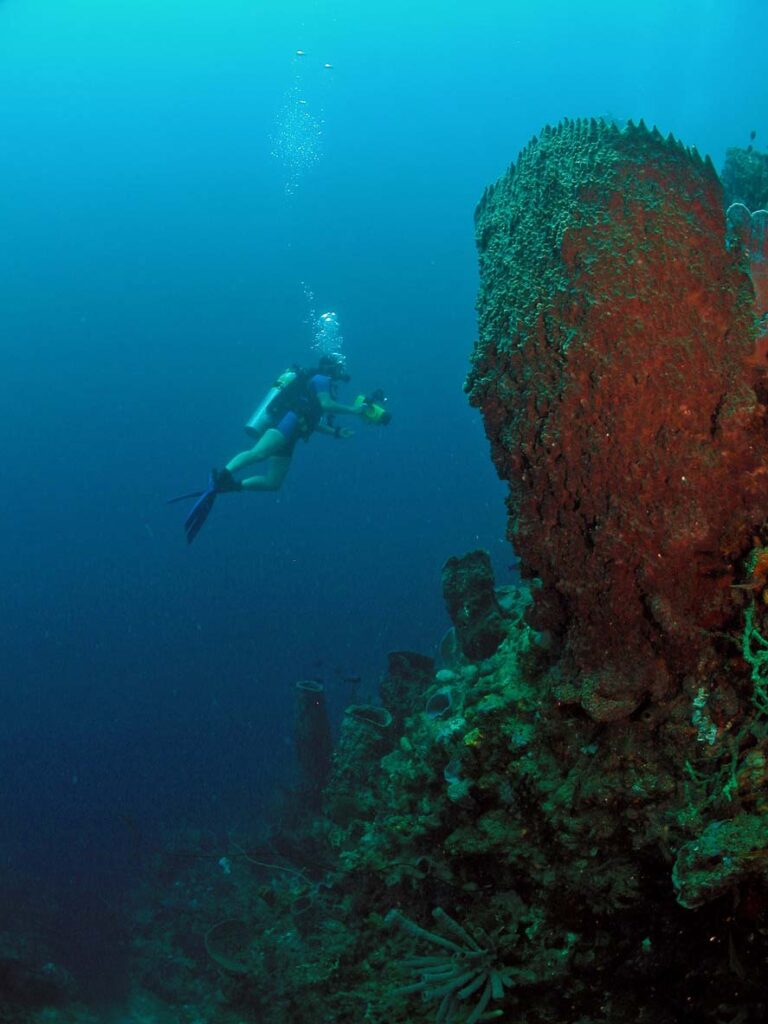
294,392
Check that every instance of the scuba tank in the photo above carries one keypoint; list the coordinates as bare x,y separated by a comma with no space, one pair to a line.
264,418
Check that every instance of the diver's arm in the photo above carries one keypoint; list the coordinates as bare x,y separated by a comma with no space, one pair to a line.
332,407
324,428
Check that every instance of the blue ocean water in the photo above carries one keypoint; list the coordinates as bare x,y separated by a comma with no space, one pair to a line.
182,193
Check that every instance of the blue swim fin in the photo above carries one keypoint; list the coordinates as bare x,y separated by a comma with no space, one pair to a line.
219,482
200,511
184,497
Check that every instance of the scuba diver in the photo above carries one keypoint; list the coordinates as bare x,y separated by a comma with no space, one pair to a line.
300,403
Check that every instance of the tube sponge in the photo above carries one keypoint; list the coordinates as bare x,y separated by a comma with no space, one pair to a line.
312,740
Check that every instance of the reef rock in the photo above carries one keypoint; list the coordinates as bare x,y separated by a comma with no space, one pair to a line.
470,597
725,854
745,177
613,373
409,675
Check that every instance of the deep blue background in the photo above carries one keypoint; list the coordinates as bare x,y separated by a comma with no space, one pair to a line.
151,286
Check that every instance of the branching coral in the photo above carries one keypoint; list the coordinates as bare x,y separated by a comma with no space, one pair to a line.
468,967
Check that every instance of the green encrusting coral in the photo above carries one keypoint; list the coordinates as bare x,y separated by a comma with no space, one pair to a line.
582,860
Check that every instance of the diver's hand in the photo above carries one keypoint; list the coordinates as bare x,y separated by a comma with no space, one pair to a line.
345,432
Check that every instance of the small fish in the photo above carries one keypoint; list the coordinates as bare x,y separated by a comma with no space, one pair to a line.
752,135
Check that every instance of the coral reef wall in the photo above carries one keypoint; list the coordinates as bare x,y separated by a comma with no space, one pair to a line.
614,377
564,817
